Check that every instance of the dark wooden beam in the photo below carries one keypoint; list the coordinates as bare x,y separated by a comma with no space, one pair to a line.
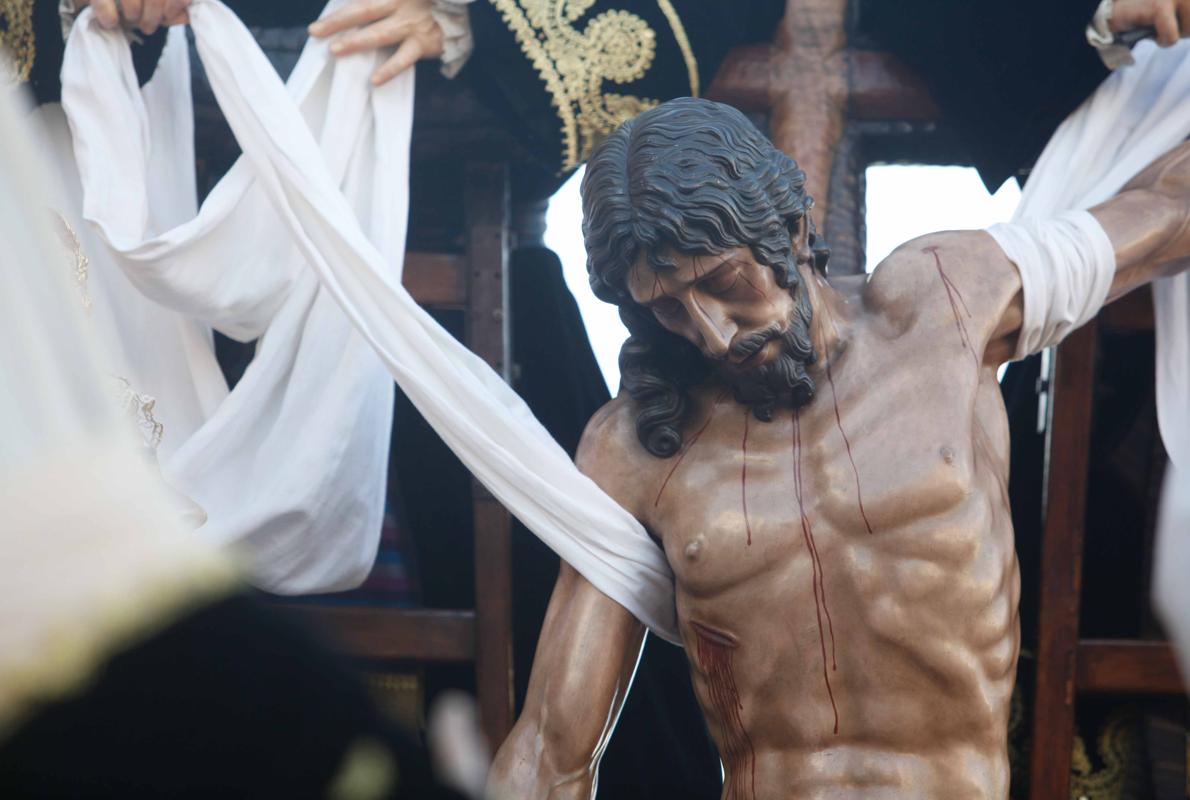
1067,453
744,78
392,634
881,87
436,278
487,212
1131,313
1124,666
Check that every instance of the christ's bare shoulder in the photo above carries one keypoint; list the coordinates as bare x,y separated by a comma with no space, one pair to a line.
952,283
611,455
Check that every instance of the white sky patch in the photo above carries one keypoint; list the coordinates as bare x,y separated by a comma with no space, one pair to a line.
907,201
564,235
902,202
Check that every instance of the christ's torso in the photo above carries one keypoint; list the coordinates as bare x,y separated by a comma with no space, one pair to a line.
846,580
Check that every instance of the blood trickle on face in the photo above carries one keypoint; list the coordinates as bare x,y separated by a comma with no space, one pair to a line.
727,305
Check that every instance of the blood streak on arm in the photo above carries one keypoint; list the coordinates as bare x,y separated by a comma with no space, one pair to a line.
955,297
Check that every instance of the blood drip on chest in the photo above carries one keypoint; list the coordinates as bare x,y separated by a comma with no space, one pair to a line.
859,492
715,660
688,445
830,378
816,572
958,306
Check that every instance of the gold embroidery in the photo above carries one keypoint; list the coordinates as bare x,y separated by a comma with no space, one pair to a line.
675,23
70,241
16,39
1118,749
614,46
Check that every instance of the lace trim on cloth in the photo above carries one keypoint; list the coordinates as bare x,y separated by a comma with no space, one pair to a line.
615,46
139,408
16,40
79,262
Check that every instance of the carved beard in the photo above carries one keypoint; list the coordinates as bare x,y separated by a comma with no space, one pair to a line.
783,380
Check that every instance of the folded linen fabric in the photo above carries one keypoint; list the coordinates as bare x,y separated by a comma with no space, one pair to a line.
301,244
1140,112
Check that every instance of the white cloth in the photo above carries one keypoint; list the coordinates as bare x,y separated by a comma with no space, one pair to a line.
290,466
233,265
1066,265
1137,114
1100,36
91,552
1171,563
457,43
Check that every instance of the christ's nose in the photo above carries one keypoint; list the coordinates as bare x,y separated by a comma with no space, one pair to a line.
716,331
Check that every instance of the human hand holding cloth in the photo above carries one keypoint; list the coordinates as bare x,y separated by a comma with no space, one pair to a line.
294,197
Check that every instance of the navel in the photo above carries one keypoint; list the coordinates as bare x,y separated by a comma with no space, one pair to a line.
947,453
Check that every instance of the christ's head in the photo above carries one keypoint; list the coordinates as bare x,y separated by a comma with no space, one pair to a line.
694,226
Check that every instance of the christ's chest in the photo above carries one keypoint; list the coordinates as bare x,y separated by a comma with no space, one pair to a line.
747,497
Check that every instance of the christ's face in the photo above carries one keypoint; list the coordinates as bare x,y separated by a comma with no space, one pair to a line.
727,305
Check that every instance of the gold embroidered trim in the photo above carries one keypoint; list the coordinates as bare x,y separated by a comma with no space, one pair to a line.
679,30
16,40
139,408
615,46
1118,748
70,241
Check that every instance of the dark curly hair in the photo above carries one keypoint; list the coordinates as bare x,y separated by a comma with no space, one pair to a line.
696,177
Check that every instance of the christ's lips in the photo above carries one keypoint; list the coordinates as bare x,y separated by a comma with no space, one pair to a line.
751,345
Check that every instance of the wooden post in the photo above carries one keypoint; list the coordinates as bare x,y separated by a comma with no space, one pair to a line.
488,335
808,91
1067,455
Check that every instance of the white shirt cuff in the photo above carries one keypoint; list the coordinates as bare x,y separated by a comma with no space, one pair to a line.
457,44
1100,36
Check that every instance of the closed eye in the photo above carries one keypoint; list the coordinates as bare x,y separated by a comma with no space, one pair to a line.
722,281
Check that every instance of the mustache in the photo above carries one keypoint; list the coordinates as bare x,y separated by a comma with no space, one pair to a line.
751,344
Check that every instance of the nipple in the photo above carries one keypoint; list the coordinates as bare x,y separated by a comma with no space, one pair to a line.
694,549
947,454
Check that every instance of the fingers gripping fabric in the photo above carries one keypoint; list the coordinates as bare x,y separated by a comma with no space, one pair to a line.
341,208
1137,114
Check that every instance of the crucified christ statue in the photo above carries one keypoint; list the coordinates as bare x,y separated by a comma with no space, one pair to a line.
824,464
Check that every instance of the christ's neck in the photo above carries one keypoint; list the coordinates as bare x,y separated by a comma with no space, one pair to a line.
830,326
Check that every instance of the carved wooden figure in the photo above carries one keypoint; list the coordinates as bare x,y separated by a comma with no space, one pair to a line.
824,464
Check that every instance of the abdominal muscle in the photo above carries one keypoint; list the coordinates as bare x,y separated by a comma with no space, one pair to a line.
888,697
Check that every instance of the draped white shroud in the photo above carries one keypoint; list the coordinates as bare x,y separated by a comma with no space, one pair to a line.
241,265
93,556
1138,113
301,244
